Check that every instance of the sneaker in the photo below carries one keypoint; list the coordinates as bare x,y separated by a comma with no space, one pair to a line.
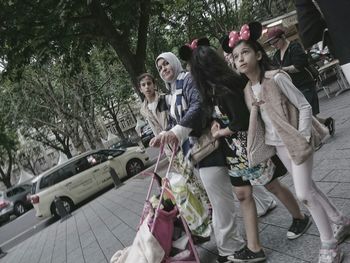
272,206
330,125
298,227
222,259
330,256
318,146
341,232
246,255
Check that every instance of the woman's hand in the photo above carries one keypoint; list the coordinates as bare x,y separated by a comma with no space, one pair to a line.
217,132
155,141
163,138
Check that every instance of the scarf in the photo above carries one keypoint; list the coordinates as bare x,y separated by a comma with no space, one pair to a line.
178,105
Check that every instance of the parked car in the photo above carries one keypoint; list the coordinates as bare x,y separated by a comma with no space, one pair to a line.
14,201
146,134
123,144
82,176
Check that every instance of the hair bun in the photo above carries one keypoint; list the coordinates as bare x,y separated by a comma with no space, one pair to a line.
185,52
203,42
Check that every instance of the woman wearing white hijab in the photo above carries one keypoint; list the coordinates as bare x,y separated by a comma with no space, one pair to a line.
189,120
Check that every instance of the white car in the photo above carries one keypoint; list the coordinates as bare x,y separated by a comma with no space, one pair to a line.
83,176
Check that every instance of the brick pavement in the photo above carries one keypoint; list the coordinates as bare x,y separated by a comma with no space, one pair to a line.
108,223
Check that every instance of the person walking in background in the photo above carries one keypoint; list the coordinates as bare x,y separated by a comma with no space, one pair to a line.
291,58
314,16
287,118
190,119
221,87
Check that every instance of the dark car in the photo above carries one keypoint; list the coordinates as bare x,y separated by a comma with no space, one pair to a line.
146,134
14,201
123,144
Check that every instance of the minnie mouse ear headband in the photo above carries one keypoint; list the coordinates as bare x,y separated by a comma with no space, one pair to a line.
251,31
185,52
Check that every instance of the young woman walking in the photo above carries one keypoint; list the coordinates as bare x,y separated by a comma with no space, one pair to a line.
287,117
190,119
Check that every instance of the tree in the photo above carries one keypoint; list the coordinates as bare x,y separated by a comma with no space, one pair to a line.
7,150
40,30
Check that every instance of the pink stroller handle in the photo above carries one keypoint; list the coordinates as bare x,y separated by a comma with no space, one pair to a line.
161,151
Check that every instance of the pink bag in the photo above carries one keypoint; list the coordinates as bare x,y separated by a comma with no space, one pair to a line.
164,228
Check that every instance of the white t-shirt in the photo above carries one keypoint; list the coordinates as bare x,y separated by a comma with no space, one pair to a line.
271,135
297,99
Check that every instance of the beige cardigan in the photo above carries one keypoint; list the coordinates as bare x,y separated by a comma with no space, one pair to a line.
284,117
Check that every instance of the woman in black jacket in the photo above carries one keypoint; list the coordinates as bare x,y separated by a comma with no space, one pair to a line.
222,88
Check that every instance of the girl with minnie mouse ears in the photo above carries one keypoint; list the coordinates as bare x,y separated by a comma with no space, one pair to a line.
289,128
221,86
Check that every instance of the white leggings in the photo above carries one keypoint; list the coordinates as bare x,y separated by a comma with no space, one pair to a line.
322,210
217,183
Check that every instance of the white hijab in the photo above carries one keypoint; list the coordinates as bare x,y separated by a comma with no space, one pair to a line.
176,66
179,73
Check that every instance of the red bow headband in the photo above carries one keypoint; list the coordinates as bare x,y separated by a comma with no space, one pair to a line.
185,51
235,36
193,45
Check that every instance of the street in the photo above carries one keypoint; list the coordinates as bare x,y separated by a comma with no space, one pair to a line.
19,229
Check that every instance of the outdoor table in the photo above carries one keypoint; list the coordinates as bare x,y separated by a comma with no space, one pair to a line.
334,66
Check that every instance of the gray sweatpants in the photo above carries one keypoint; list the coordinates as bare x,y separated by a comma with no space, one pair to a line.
217,183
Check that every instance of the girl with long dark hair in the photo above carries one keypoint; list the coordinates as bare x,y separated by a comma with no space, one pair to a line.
221,87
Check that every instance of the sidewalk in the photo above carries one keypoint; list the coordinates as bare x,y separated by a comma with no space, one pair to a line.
108,223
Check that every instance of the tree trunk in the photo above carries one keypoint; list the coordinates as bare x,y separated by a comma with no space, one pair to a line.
133,63
117,126
5,179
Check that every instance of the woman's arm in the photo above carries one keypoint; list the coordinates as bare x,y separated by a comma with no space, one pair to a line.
297,98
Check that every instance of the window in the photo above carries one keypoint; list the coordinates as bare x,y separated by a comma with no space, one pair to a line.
15,191
97,158
82,165
65,173
112,152
42,161
48,180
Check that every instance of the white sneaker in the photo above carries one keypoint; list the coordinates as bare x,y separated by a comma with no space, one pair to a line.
272,206
330,256
341,232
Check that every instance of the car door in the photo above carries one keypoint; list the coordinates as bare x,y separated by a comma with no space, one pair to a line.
100,169
78,179
116,161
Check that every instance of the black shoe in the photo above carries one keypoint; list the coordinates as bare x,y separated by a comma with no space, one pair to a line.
298,227
197,240
222,259
330,125
247,256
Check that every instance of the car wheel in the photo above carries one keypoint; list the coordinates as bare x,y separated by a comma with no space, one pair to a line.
68,205
134,166
19,209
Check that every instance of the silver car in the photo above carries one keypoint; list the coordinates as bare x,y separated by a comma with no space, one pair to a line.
14,201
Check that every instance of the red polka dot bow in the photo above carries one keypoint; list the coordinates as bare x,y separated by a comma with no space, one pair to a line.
235,36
